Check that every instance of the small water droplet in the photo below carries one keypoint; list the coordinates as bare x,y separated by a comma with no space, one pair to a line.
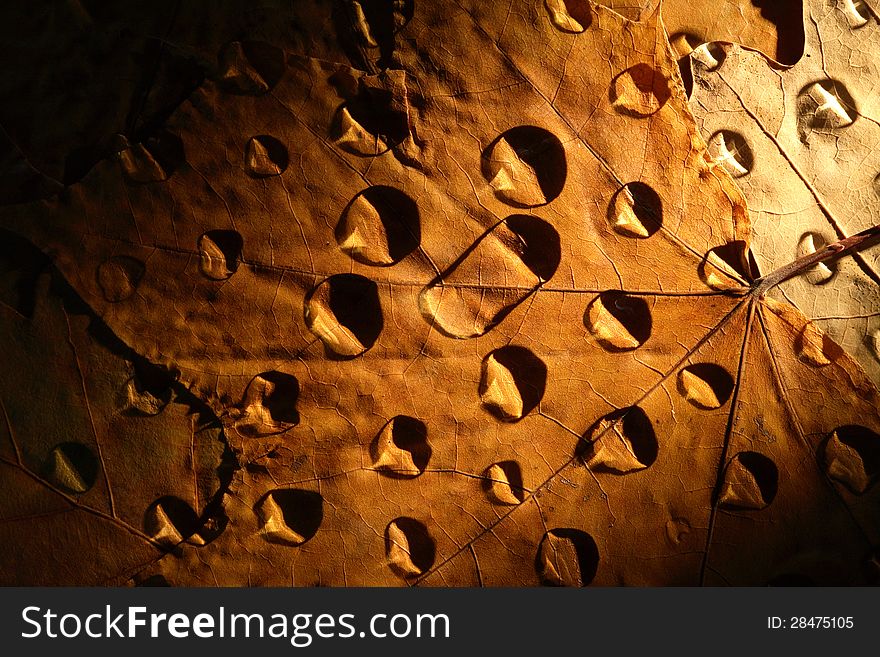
72,467
265,156
502,482
119,277
640,91
219,253
290,516
621,442
512,382
572,16
636,211
822,272
401,448
731,150
409,548
567,557
851,455
824,106
525,166
705,385
618,321
750,482
345,313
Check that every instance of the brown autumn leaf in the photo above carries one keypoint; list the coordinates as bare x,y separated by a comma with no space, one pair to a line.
772,27
113,68
482,317
99,449
801,143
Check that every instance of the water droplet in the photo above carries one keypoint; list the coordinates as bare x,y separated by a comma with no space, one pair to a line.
265,156
401,448
572,16
731,150
512,382
72,467
379,227
169,521
345,313
119,277
852,456
567,557
636,211
219,253
705,385
268,406
824,106
352,136
250,68
290,516
750,482
502,483
409,548
857,13
822,272
525,166
726,266
618,321
622,441
640,91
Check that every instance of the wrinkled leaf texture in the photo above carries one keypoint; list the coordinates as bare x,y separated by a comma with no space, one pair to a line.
472,309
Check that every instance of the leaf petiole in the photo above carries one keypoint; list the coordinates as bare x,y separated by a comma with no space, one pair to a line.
862,240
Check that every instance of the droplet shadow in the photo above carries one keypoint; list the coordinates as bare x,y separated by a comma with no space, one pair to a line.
353,301
421,547
636,427
302,510
411,435
400,223
541,151
529,375
645,204
586,557
632,313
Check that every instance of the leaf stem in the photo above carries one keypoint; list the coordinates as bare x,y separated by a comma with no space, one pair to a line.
861,240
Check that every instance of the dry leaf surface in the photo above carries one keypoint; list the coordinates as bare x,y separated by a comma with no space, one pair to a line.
802,144
99,448
472,310
772,27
